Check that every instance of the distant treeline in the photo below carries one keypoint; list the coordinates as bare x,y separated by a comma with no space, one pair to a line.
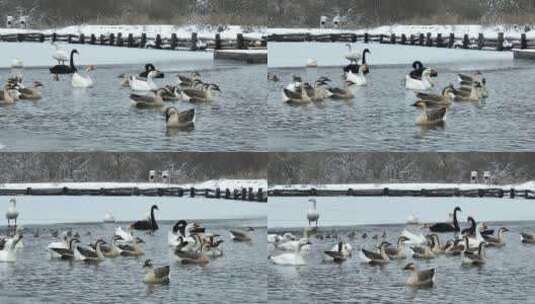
379,167
49,13
306,13
129,167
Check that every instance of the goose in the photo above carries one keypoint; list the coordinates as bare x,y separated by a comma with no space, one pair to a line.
454,247
355,74
12,214
319,91
239,236
139,84
171,93
420,79
475,258
125,80
272,77
341,94
433,115
470,81
313,215
62,68
188,82
471,92
432,100
213,246
31,93
527,238
147,225
80,81
498,241
420,278
371,257
9,94
338,253
130,249
448,227
424,251
8,248
60,55
473,233
64,253
346,249
149,67
159,275
153,100
291,258
88,254
311,63
199,95
397,252
123,236
297,97
176,119
297,82
192,257
291,244
109,250
413,238
436,248
181,232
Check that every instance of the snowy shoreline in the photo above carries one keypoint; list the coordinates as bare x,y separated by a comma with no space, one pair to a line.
403,186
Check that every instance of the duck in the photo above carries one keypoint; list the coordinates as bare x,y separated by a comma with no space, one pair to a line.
527,238
291,258
313,215
80,81
8,248
499,240
420,278
64,69
434,115
88,254
432,100
64,253
341,94
420,78
149,67
397,252
176,119
371,257
355,75
239,236
60,55
32,93
448,227
142,84
338,253
471,92
476,258
148,224
153,100
159,275
200,95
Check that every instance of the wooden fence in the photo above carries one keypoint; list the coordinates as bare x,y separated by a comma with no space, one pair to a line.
129,40
501,43
245,194
449,192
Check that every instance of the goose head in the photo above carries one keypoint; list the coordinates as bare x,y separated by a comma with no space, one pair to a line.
171,111
147,265
411,266
37,84
214,87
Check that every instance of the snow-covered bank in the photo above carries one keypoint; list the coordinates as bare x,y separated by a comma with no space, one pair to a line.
473,30
40,55
405,186
211,184
204,32
288,54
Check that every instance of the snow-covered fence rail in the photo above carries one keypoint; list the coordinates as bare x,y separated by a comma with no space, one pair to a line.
499,43
246,194
442,192
173,42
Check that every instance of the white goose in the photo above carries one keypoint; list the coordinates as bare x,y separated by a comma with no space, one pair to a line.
138,84
81,81
423,84
413,238
291,258
8,249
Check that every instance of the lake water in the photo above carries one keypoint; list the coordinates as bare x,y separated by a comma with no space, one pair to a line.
507,277
238,276
103,119
380,116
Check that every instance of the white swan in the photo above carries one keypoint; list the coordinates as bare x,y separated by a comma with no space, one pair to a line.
291,258
312,63
80,81
352,55
123,236
60,55
8,251
356,79
413,238
109,218
12,214
312,213
423,84
138,84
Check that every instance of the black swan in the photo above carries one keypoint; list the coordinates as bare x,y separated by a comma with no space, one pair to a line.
149,67
149,224
418,69
63,69
354,67
447,227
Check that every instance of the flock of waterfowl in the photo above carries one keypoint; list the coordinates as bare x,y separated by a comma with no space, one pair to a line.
190,243
468,245
145,92
471,88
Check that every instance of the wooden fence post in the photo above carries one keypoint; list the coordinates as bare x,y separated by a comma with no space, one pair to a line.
451,42
393,38
192,192
429,40
260,195
241,42
386,191
93,39
41,38
54,37
174,41
499,46
227,193
243,194
130,42
480,41
381,36
180,192
82,38
354,38
194,41
439,41
403,39
158,42
112,39
143,41
466,41
217,193
120,39
421,39
366,38
69,38
512,193
523,41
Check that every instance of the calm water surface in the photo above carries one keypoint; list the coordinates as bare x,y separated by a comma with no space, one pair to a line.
380,118
103,119
239,276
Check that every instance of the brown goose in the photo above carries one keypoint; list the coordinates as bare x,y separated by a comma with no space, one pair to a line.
399,251
422,278
475,258
239,236
32,93
371,257
90,255
337,256
176,119
159,275
527,238
65,253
431,115
148,101
192,257
498,241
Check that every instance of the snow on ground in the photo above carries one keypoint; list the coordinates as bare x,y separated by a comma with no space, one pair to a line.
40,54
460,30
288,54
207,32
210,184
405,186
